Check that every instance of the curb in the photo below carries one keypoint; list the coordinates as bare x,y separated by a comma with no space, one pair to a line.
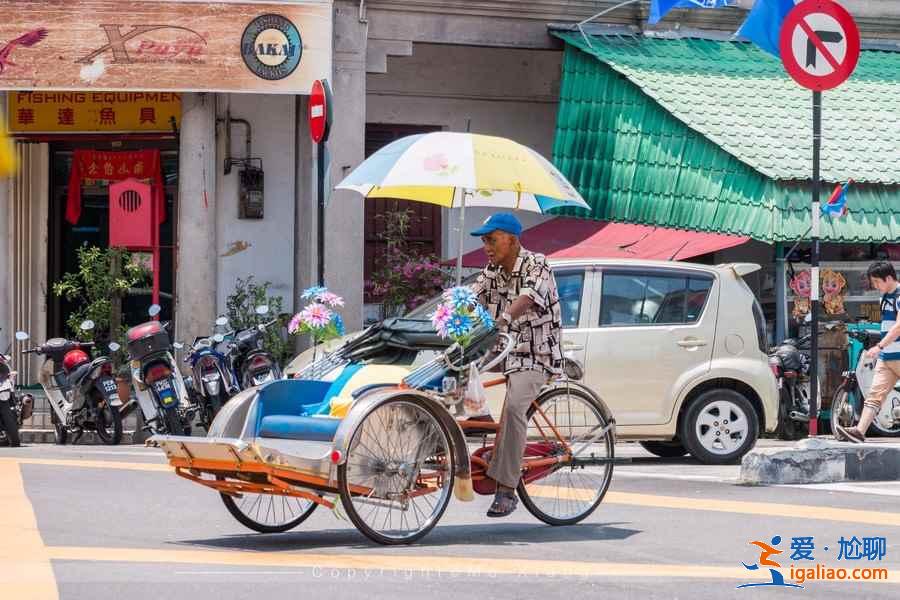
48,436
821,461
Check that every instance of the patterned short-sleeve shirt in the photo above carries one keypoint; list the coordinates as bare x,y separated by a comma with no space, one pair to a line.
538,331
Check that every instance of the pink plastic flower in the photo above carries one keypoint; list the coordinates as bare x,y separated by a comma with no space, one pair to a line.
294,325
331,299
316,315
440,317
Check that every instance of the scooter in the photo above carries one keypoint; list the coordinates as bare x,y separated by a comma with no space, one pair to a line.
213,380
159,387
14,409
82,393
255,365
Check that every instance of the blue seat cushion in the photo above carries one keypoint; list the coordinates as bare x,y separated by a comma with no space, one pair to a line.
291,427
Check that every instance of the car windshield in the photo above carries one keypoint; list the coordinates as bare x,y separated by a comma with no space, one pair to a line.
423,310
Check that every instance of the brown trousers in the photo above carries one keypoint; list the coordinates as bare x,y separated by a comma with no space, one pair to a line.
522,387
887,373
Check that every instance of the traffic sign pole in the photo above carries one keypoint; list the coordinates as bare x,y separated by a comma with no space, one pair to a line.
819,43
814,295
320,117
320,218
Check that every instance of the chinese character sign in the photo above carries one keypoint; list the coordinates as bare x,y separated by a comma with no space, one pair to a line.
80,112
114,166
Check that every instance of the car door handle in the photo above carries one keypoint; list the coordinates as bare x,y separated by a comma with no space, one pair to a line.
691,343
572,347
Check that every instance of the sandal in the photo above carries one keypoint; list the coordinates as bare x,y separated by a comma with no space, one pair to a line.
504,504
850,434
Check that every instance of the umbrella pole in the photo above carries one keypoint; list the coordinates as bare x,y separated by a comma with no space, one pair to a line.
462,226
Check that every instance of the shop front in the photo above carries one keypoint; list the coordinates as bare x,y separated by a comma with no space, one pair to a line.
201,102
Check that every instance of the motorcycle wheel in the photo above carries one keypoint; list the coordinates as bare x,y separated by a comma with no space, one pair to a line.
10,424
788,429
108,422
172,422
60,431
215,405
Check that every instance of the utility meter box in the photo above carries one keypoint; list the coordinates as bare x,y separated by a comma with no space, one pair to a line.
250,193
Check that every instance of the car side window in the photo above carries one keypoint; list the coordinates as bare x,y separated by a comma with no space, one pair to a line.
570,285
654,299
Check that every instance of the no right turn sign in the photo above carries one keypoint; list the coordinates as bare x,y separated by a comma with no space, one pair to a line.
819,44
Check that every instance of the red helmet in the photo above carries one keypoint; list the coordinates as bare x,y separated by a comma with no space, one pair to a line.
74,359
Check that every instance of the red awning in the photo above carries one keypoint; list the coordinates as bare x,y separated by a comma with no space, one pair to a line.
579,238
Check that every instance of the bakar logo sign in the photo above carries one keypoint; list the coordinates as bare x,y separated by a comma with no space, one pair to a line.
271,47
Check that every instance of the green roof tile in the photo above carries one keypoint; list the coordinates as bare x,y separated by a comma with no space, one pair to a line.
740,98
711,136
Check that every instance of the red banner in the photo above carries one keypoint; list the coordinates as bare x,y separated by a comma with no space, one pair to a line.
114,166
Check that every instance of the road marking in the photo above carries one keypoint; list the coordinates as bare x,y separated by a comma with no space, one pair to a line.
90,464
25,569
636,474
852,488
412,564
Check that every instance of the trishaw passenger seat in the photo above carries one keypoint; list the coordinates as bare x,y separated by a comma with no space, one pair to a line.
291,427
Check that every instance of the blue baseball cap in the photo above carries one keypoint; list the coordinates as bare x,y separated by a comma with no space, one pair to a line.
499,222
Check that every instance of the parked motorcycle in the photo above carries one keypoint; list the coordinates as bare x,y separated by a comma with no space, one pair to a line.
791,368
14,409
213,380
81,391
158,385
255,365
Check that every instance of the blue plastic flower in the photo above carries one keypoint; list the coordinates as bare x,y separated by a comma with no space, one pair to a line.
339,324
313,292
461,297
459,325
484,316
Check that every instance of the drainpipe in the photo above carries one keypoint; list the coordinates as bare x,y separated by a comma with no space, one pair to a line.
781,312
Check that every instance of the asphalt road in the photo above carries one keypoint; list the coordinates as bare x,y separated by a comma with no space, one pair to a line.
97,523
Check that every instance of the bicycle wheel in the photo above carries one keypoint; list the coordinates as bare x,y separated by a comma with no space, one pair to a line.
843,413
397,479
568,492
268,513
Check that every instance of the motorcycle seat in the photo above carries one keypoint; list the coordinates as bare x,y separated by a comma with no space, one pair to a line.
293,427
77,376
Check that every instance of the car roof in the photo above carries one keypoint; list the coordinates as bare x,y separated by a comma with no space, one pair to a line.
638,263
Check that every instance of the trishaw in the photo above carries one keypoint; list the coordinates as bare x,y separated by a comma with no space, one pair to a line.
274,453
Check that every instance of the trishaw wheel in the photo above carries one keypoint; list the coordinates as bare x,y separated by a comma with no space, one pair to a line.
567,492
398,475
267,513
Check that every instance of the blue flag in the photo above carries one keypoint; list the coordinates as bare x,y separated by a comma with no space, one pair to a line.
763,24
659,8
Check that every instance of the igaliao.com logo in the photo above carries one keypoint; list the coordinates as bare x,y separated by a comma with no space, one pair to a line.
804,568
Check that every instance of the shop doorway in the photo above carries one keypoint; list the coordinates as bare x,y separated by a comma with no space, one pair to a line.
425,231
92,228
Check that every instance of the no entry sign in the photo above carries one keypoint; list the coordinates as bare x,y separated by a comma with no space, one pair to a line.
819,44
320,111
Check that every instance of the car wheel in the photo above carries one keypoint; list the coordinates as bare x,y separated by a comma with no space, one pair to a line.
673,449
719,427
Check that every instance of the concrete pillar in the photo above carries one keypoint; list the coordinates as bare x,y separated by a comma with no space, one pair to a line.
344,221
5,253
195,304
